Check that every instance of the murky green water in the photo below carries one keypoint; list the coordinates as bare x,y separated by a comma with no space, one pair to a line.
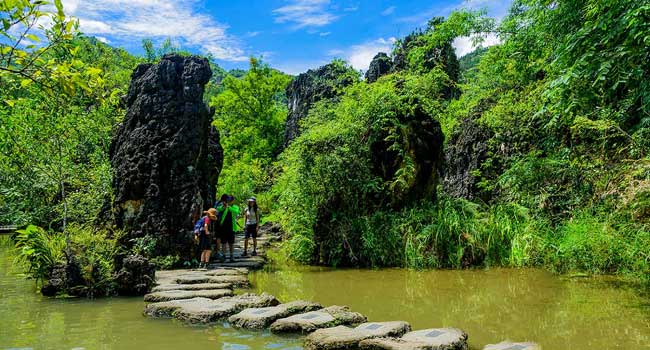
490,305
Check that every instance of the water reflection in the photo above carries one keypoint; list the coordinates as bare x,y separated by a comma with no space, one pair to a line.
491,305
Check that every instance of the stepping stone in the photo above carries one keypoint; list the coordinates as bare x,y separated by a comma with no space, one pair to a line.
226,272
235,280
249,264
345,338
506,345
170,295
197,286
311,321
427,339
259,318
204,310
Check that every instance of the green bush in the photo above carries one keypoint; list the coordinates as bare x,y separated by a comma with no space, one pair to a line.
39,250
94,251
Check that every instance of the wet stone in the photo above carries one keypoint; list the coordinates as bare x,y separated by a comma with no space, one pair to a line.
311,321
197,286
346,338
204,310
506,345
235,280
170,295
259,318
427,339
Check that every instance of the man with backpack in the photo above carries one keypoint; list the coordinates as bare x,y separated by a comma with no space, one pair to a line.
228,225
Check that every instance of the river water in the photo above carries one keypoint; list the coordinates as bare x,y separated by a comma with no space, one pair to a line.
490,305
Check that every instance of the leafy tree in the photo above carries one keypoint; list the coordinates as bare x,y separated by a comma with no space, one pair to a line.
250,114
29,34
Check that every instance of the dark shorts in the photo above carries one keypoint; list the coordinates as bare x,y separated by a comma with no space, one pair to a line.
204,242
227,236
251,231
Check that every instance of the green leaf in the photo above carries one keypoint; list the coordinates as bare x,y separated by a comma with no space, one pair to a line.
33,38
25,82
59,9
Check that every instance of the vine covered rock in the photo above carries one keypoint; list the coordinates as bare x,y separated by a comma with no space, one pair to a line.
166,156
310,87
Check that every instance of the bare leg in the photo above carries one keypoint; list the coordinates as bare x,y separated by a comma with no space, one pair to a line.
231,246
254,244
246,245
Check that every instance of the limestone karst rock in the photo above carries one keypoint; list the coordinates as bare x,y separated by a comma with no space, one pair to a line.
380,65
310,87
166,156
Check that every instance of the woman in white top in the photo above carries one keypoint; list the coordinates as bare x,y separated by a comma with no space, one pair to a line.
252,215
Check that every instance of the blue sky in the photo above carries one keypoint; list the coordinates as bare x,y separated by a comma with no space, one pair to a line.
291,35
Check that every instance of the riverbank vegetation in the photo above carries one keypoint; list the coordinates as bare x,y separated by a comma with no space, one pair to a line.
561,177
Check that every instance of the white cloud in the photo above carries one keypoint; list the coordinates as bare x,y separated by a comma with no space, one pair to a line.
359,56
325,33
305,13
388,11
464,45
103,39
156,19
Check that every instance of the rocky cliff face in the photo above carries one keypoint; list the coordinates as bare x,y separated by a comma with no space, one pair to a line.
466,150
380,65
310,87
166,156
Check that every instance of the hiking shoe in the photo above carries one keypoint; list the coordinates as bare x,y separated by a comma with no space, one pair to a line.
246,254
254,253
231,260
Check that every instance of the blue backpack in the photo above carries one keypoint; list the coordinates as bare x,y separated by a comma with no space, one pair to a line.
198,226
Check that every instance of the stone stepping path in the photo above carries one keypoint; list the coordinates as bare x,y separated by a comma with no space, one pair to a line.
206,296
249,262
313,320
235,280
204,310
506,345
426,339
170,295
196,286
343,338
260,318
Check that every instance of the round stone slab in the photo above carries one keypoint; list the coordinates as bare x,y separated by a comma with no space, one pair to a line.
311,321
197,286
204,310
343,338
186,294
426,339
506,345
259,318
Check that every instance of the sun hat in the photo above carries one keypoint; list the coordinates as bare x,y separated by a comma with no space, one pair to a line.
212,213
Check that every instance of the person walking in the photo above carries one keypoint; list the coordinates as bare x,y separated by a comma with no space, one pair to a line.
228,225
252,219
205,245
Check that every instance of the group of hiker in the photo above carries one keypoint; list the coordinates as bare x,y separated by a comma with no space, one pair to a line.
218,227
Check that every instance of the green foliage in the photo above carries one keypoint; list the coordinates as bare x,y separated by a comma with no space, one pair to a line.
39,250
250,114
94,251
330,164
